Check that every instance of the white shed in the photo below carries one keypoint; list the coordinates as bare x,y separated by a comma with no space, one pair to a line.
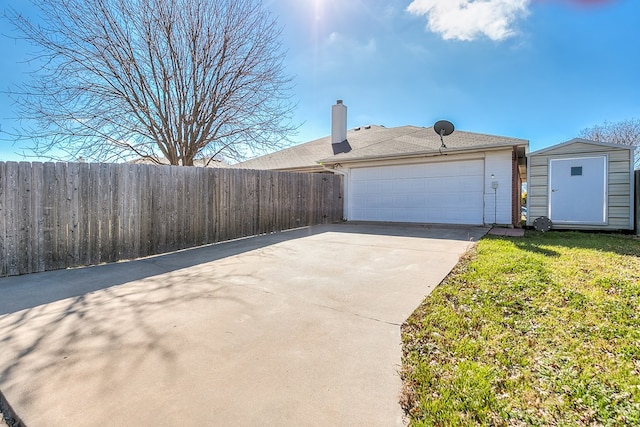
582,184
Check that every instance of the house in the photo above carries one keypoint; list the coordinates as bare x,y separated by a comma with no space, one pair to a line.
408,174
582,184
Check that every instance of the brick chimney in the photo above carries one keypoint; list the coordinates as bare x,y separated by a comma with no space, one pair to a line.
338,122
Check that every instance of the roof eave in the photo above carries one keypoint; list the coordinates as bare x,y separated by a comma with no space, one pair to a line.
429,153
583,141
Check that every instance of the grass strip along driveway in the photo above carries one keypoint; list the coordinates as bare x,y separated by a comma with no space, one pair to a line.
543,330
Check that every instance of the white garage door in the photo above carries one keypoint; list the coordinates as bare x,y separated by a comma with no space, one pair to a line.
443,192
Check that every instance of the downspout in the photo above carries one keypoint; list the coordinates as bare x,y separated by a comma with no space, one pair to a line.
345,201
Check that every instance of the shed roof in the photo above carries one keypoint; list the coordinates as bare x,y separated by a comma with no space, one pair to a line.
581,141
376,142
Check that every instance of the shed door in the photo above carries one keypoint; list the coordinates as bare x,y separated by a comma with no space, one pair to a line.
578,191
440,192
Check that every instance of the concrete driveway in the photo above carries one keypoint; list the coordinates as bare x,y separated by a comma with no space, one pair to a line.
299,328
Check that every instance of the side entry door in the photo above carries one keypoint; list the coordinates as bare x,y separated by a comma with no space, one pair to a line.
578,190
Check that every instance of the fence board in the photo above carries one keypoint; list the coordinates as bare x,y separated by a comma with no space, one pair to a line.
64,214
12,217
48,196
73,201
161,207
23,229
3,220
223,203
84,255
216,208
94,214
59,215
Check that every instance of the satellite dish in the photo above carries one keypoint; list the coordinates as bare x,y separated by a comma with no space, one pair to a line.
443,128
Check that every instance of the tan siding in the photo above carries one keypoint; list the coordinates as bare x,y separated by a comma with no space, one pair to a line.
538,200
538,181
538,192
582,149
619,223
537,161
537,188
621,168
538,172
576,148
618,156
619,201
619,178
620,190
537,212
619,212
537,206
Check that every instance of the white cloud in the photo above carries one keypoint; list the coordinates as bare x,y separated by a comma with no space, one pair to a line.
471,19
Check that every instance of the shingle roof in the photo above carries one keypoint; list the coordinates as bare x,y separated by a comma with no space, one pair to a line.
376,142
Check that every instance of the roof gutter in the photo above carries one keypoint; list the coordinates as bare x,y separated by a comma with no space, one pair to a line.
421,154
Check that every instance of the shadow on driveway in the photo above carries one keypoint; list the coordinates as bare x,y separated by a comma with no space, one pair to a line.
277,329
28,291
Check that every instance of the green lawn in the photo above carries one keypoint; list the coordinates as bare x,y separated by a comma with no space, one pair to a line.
541,330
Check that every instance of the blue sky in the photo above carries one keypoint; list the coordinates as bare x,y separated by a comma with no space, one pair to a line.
541,70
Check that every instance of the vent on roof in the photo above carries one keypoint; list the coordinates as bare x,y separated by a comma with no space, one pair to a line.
367,127
357,129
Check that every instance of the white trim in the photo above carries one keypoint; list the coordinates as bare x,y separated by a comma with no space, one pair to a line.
416,160
420,155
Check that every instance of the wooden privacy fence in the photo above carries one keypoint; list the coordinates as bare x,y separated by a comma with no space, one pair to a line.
59,215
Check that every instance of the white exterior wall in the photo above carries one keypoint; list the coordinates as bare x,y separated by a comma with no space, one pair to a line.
499,164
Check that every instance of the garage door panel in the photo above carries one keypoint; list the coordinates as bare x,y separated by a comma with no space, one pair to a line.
401,186
434,185
400,215
402,201
418,186
416,215
447,192
420,201
415,171
433,199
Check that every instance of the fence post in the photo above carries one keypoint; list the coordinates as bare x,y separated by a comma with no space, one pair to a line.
637,201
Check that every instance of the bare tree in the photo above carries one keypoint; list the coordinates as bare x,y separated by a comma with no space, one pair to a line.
174,79
625,132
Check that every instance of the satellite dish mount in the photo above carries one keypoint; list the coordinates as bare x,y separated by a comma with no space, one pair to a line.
443,128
